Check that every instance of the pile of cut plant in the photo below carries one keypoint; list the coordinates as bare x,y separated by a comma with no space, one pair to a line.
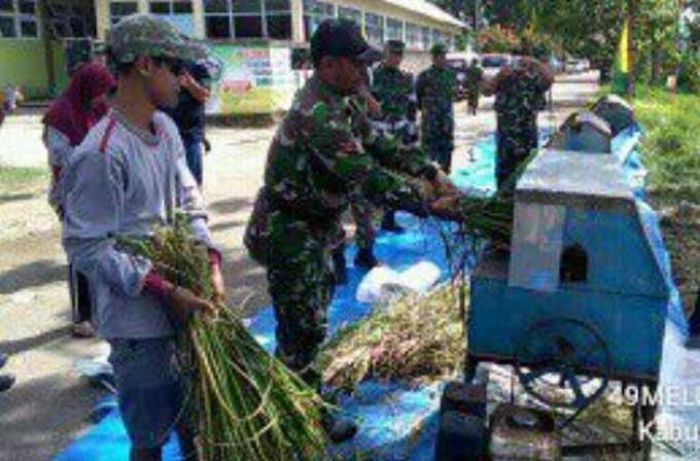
247,404
415,339
420,339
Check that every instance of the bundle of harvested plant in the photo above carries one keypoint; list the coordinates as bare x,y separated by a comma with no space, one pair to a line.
247,404
415,338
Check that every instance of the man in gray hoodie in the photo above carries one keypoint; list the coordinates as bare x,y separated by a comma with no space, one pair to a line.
129,175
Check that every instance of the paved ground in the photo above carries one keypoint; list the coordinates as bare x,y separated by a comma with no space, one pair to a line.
50,404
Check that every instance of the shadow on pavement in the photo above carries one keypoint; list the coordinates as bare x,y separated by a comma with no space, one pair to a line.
34,274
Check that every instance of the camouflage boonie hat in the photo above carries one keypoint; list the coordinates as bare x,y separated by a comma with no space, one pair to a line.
438,49
394,47
148,35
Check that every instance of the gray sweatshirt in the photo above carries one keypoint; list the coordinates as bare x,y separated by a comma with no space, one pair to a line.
122,181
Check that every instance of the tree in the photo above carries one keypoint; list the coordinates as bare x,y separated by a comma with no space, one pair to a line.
591,28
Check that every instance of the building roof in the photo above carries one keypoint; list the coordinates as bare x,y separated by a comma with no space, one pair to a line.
428,9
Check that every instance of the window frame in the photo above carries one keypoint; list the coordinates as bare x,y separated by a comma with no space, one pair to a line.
171,7
114,19
313,17
387,28
261,15
381,27
18,17
413,30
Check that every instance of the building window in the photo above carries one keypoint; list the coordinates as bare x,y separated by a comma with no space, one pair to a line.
279,27
425,36
278,19
374,28
118,10
413,37
314,13
248,19
177,12
171,7
394,29
350,13
438,37
18,19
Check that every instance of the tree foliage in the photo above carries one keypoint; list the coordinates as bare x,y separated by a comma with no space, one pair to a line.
590,28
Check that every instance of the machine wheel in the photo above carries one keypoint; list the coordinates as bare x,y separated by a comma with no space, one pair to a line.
554,353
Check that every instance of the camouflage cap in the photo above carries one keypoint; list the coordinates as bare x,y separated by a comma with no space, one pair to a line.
438,49
148,35
394,46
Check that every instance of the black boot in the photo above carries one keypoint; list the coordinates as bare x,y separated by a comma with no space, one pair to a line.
6,382
339,266
365,259
389,223
3,360
338,429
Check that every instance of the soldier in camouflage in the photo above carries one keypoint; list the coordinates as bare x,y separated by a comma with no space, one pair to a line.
391,108
474,75
396,92
317,165
436,90
520,93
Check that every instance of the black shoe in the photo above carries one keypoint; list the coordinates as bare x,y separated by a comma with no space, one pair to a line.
365,259
339,267
389,223
6,382
3,360
338,429
393,228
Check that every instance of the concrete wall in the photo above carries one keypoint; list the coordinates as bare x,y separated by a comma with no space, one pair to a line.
23,62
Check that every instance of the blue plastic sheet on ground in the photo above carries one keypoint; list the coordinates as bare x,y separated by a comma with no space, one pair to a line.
396,422
390,415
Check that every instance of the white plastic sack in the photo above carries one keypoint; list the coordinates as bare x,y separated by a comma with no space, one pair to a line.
382,282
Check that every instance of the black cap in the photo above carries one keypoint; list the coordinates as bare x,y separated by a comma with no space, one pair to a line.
395,46
341,37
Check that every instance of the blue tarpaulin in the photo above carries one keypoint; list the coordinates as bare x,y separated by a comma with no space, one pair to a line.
396,422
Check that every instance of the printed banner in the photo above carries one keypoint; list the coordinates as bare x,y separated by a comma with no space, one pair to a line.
255,79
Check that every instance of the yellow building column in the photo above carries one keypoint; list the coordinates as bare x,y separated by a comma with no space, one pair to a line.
143,6
298,34
198,19
102,18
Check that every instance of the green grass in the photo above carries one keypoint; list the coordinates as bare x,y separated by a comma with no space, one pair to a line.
21,182
671,152
21,176
671,146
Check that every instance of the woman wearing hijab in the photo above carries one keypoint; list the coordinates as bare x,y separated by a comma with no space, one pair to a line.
66,123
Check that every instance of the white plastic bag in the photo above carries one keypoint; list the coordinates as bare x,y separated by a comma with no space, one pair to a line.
382,283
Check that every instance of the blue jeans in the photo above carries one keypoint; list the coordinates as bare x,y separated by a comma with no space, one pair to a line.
193,152
151,388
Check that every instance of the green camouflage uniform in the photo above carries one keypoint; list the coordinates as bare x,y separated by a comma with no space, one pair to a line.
518,99
316,166
474,76
394,89
436,89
